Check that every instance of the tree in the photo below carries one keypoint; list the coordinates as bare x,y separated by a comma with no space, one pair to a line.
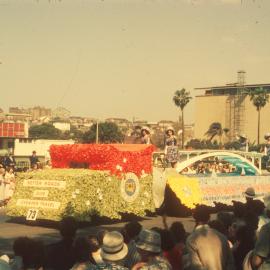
107,133
181,98
44,131
259,98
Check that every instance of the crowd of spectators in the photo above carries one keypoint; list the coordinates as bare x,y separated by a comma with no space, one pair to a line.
237,240
210,167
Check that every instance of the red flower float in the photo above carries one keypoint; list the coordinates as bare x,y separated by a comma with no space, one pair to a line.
117,158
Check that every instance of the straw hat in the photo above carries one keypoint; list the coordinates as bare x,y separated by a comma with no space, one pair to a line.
169,128
113,248
250,192
244,136
150,241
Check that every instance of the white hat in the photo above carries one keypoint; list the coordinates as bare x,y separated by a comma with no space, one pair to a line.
113,248
267,136
170,128
146,129
4,263
244,136
250,192
149,240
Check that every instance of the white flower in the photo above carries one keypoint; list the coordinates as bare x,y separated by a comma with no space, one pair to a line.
77,191
109,179
73,195
100,197
146,194
124,160
98,190
87,203
143,203
118,167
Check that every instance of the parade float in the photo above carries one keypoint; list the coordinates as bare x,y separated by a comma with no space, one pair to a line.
131,179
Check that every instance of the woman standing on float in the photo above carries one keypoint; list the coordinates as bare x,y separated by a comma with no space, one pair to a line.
145,135
171,149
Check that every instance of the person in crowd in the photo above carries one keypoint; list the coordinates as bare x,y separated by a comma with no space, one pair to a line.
95,257
145,135
34,161
170,250
244,242
20,247
4,262
226,218
171,146
113,252
100,236
207,248
9,182
179,233
264,218
149,247
33,255
260,258
2,185
266,149
251,204
132,230
243,141
81,254
64,248
9,161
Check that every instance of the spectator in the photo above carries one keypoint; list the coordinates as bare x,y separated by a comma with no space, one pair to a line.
33,256
149,247
20,247
81,254
8,161
100,236
179,234
171,251
261,255
2,184
207,248
95,256
245,239
34,161
60,255
4,263
113,252
264,218
132,230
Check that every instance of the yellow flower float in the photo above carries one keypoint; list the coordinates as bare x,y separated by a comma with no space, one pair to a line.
187,189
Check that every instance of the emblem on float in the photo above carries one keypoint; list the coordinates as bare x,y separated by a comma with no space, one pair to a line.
130,187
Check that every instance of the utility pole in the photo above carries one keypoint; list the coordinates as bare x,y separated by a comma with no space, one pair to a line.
97,133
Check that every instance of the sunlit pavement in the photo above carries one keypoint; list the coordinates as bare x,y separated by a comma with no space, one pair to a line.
10,231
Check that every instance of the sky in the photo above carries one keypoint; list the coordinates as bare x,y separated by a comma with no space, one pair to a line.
126,58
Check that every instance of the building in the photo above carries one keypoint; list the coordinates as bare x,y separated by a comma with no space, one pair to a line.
231,107
63,126
61,113
9,131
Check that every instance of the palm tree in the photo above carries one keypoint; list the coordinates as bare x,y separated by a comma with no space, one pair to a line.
215,129
259,98
181,98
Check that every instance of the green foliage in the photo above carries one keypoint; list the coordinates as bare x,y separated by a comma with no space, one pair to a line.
87,193
107,133
181,98
259,97
202,144
215,129
44,131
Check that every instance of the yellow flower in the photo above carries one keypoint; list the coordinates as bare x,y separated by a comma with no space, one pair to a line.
186,189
